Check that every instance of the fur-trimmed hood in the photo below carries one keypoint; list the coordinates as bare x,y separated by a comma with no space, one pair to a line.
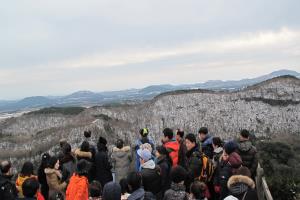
83,154
238,184
124,149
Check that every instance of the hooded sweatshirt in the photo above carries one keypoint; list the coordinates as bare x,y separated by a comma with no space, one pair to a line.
121,159
78,188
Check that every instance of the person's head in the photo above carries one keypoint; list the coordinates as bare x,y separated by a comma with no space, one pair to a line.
45,160
95,189
82,168
146,146
66,148
87,134
30,187
168,135
161,151
178,174
230,147
190,141
179,134
6,168
216,142
134,180
101,145
124,185
145,155
53,162
62,142
111,191
202,133
244,171
244,135
144,132
197,189
119,144
85,146
27,169
56,196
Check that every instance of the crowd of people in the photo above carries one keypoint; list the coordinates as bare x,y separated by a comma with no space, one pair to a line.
180,167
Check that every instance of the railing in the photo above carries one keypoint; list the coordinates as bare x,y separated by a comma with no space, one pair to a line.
262,188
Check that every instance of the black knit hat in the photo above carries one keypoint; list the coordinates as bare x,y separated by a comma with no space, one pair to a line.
230,147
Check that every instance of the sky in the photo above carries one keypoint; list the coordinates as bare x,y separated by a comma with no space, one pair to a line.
56,47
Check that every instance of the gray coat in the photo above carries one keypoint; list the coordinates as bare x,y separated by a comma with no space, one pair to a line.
121,159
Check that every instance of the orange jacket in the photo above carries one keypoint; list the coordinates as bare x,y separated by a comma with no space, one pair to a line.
78,188
173,149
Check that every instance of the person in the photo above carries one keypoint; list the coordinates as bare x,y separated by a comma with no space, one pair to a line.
194,159
171,144
144,138
124,189
206,142
102,167
178,190
54,176
151,177
68,161
84,152
121,158
8,190
42,176
197,191
95,190
88,137
30,188
230,162
247,152
26,172
111,191
218,150
182,161
78,185
164,162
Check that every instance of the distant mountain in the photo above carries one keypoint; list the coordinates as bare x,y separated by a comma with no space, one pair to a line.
88,98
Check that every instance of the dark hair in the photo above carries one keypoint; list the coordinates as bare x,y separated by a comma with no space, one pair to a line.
87,133
178,174
168,133
217,141
111,191
134,179
5,166
244,171
95,189
162,150
27,169
203,130
30,187
62,142
191,137
180,132
245,133
56,196
66,148
52,161
198,189
119,144
144,132
124,186
85,146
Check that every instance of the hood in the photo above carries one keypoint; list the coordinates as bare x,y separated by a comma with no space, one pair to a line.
218,150
84,154
235,160
121,152
78,179
240,180
150,164
244,145
138,194
172,145
207,140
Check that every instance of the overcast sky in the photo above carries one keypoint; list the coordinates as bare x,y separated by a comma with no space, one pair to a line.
56,47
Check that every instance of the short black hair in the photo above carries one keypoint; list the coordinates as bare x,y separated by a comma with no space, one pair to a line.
168,133
178,174
52,161
30,187
244,133
119,143
180,132
198,189
134,179
95,189
66,148
217,141
27,169
5,166
191,137
87,133
203,130
85,146
124,185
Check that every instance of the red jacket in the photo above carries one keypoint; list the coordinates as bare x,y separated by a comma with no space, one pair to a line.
78,188
173,149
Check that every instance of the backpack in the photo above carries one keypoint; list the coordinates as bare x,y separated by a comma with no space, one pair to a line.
207,170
